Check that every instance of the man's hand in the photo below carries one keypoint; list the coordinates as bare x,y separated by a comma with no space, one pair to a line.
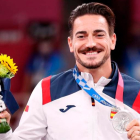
133,129
5,115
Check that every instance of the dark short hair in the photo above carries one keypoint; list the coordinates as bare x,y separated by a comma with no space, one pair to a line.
95,9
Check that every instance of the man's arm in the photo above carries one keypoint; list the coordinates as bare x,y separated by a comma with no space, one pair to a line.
33,122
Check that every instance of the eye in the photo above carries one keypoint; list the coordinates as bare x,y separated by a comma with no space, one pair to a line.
100,35
80,36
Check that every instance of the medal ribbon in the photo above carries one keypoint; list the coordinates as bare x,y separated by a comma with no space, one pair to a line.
119,92
83,84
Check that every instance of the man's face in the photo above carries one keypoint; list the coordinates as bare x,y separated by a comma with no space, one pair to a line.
91,42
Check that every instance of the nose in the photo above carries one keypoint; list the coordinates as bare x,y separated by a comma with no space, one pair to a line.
91,42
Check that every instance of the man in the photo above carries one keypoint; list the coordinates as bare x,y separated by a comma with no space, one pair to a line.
61,106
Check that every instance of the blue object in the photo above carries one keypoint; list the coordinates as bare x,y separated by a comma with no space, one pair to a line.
83,84
8,98
68,107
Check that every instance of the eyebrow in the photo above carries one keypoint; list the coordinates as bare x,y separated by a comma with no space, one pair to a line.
81,32
97,31
84,32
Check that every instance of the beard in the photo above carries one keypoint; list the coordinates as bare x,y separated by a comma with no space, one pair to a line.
91,65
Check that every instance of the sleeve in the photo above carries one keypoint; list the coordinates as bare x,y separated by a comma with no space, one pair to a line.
33,123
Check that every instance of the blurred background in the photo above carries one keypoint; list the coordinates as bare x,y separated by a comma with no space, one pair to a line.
34,34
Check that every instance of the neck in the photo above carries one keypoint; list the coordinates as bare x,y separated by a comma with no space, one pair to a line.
105,70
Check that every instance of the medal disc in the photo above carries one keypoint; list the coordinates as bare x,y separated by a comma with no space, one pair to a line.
121,120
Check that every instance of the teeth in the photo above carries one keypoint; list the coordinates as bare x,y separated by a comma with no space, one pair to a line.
91,53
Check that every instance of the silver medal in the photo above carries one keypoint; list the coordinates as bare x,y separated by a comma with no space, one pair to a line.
121,120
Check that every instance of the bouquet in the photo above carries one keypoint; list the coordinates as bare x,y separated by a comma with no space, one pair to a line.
7,67
7,71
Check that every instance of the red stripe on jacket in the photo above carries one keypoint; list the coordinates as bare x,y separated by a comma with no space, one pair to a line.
136,104
46,95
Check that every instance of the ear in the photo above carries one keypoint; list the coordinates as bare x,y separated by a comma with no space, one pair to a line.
70,44
113,41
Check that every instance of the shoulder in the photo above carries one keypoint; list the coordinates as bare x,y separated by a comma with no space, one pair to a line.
59,78
131,92
66,75
59,85
130,82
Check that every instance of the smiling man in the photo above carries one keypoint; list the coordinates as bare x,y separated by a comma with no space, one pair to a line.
92,101
91,43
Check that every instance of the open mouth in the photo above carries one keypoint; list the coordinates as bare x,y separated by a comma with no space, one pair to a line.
91,51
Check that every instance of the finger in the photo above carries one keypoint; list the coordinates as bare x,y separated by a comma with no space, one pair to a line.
1,115
5,115
136,138
135,133
132,132
132,123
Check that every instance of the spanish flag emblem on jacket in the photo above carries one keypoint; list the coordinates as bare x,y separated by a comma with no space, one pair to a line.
93,102
26,108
